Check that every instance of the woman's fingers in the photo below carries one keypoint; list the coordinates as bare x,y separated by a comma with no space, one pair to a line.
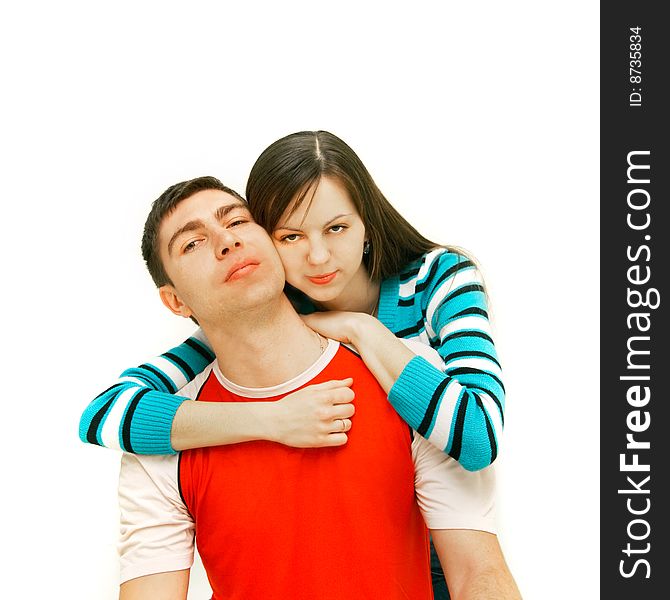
341,425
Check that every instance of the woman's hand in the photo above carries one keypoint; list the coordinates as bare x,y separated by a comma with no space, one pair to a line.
316,416
346,327
383,353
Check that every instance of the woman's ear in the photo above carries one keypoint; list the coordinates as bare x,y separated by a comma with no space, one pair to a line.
171,299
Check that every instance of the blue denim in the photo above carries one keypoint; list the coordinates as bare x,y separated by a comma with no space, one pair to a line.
440,591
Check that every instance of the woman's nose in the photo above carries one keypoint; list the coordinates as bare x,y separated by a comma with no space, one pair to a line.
318,253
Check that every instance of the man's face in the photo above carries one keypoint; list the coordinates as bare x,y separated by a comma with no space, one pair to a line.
219,260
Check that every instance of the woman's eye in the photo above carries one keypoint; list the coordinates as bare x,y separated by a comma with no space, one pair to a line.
337,228
291,237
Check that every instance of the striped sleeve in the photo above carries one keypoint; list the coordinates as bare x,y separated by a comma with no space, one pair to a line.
460,409
136,413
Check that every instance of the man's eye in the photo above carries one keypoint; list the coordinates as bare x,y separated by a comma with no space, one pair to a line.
191,246
238,222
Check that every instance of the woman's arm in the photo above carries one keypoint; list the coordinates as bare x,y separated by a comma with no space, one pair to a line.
142,414
458,405
313,417
136,414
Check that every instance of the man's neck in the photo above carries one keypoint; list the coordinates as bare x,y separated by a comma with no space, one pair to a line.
266,347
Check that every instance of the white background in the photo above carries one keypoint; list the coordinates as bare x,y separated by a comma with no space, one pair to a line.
479,121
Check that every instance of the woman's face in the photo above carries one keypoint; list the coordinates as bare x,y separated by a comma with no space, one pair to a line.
321,246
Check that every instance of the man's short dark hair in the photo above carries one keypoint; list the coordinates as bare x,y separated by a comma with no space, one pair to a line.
163,206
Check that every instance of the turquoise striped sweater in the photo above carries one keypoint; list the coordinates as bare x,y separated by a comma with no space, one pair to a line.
438,299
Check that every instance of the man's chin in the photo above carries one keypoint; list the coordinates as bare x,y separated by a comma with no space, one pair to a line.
254,297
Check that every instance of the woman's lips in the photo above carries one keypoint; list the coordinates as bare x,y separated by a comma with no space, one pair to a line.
323,279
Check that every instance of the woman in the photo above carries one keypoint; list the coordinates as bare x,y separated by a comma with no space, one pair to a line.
344,249
416,288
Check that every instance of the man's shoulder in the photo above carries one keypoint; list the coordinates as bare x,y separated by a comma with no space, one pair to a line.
161,471
192,389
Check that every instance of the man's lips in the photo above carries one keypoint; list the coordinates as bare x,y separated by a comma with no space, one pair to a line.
241,268
322,279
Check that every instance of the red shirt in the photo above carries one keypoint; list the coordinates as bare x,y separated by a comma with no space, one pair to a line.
318,523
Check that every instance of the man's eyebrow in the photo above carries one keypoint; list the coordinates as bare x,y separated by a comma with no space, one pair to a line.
190,226
220,214
335,218
223,211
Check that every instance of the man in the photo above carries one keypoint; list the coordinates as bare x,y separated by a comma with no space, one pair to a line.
274,521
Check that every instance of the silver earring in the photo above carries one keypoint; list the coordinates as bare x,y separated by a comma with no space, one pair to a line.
366,248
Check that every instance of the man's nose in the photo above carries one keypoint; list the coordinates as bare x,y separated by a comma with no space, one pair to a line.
226,242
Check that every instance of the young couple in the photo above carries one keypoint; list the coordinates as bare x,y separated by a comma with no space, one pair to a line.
322,501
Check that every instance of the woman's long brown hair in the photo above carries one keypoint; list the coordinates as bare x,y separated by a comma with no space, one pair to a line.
289,168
